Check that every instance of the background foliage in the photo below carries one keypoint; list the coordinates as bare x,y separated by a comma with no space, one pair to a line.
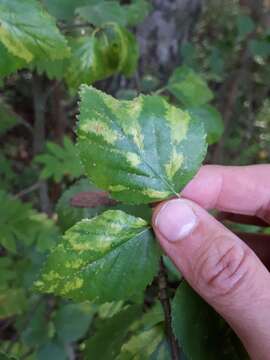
210,58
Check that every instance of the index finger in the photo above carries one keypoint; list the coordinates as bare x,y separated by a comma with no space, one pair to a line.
237,189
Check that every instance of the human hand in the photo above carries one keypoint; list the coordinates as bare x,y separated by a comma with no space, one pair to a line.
217,264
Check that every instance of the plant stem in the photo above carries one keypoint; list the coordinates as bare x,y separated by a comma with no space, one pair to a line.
165,302
39,105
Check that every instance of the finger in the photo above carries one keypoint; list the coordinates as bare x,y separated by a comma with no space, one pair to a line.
220,267
237,189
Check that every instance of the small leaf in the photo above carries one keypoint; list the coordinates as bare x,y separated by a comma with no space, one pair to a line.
29,32
201,332
110,257
260,47
107,341
212,121
111,50
59,161
140,151
189,87
7,118
142,346
245,25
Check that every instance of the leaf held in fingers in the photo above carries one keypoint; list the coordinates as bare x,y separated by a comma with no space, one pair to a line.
110,257
140,151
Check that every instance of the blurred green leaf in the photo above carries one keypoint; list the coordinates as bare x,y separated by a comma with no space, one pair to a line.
12,302
60,161
212,121
101,12
109,51
8,119
260,47
189,87
142,346
19,223
52,351
110,257
71,321
113,332
37,330
29,32
245,25
63,9
202,333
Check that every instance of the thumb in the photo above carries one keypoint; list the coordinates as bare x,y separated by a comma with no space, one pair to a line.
220,267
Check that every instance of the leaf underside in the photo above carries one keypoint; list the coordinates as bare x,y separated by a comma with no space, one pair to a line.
140,151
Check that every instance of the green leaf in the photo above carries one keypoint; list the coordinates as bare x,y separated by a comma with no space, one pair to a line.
140,151
113,332
72,321
52,351
12,302
6,357
7,118
142,346
9,63
212,121
29,32
111,51
202,333
101,12
63,9
36,332
19,223
137,11
260,47
189,87
7,175
110,257
59,161
245,25
89,61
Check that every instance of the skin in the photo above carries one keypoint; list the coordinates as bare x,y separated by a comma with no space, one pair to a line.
221,267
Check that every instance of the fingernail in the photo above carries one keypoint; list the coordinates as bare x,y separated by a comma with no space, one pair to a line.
176,220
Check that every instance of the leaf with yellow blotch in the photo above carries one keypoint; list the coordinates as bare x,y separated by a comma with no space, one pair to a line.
110,257
140,151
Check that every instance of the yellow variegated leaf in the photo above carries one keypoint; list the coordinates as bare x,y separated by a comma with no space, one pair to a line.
140,151
110,257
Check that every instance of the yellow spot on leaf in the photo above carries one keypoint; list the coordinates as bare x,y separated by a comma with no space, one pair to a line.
72,285
174,165
179,122
101,129
133,159
117,188
155,194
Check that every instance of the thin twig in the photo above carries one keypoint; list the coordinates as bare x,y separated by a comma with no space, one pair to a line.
165,302
28,190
